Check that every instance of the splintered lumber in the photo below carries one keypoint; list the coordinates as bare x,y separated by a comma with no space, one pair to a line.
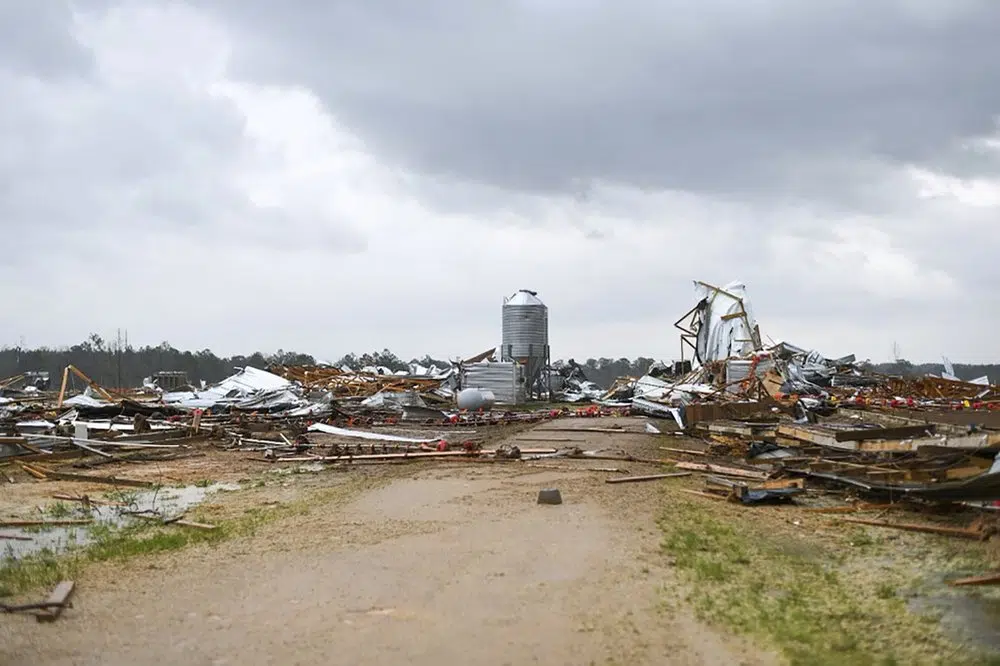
852,508
828,438
648,477
407,455
191,523
85,499
57,601
43,523
780,484
110,480
33,471
720,469
988,579
701,493
175,521
609,431
961,532
901,432
689,452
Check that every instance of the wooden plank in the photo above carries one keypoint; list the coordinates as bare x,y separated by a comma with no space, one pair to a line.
15,537
720,469
109,480
700,493
38,474
608,431
828,439
414,455
899,432
59,599
191,523
689,452
43,523
988,579
780,484
961,532
812,436
854,508
648,477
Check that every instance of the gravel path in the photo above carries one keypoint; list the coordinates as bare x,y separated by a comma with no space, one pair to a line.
439,564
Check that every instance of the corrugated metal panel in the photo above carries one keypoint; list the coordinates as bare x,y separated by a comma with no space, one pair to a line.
502,379
737,370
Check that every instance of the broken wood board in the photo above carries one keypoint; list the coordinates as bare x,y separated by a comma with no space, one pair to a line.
960,532
176,521
765,430
779,484
109,480
854,508
33,471
15,537
689,452
57,601
43,523
827,438
701,493
899,432
988,579
720,469
607,431
648,477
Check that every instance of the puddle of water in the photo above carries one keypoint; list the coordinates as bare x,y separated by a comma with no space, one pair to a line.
163,501
967,614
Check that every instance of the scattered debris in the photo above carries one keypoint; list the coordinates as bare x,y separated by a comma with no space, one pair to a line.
648,477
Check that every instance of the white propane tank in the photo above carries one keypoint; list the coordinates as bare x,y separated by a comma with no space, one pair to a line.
473,399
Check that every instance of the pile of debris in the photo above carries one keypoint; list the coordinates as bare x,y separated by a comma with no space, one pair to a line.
733,373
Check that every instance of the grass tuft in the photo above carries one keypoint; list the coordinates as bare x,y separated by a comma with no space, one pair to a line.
796,594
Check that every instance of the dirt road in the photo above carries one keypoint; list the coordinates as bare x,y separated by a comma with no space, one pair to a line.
431,565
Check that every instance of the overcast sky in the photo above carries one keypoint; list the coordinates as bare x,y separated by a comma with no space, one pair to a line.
347,175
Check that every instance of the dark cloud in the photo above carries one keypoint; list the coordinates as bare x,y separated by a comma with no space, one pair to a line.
719,96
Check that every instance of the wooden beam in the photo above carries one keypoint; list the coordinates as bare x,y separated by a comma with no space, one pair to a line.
689,452
648,477
57,601
961,532
15,537
43,523
900,432
109,480
988,579
721,469
62,389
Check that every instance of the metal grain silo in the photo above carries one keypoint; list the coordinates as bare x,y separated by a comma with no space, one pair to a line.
525,337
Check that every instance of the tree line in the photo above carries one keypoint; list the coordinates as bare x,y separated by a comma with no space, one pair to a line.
116,364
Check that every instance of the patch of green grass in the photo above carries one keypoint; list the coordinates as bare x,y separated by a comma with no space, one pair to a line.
791,591
885,591
58,510
203,483
121,496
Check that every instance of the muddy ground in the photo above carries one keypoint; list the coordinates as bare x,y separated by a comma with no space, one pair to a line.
423,563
